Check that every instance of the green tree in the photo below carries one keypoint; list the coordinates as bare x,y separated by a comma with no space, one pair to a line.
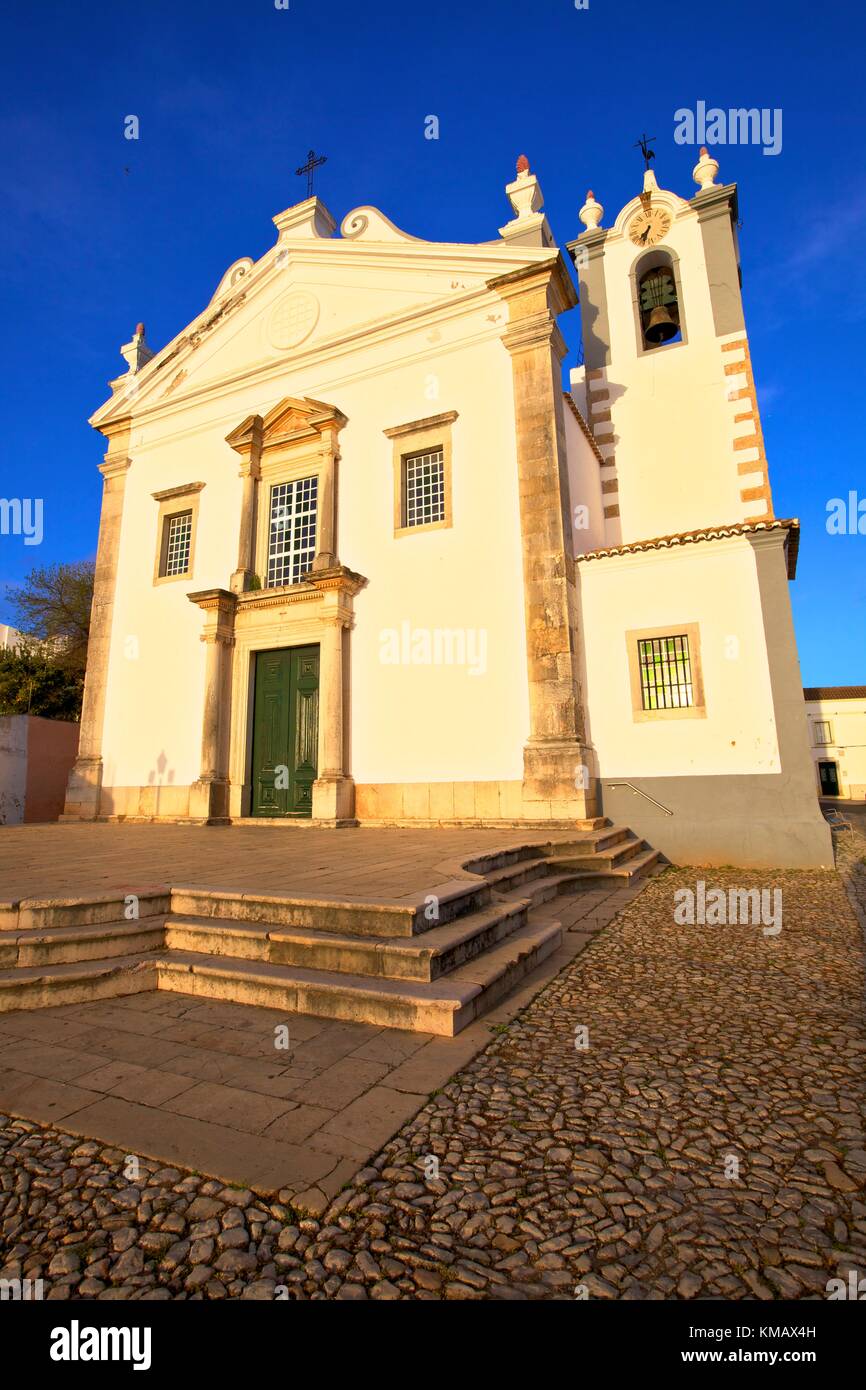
33,682
53,606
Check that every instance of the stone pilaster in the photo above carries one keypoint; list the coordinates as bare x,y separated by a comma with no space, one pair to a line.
247,441
326,540
84,787
334,788
556,761
209,796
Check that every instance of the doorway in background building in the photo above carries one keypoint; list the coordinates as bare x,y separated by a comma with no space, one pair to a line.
829,775
285,731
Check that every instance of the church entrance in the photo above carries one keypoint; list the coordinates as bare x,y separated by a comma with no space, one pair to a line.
285,731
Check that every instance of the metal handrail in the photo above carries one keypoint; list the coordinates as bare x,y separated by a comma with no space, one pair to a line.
613,786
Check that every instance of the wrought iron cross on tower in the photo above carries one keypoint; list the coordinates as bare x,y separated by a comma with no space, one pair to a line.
313,162
643,144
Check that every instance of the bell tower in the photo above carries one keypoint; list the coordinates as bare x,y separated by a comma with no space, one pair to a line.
666,383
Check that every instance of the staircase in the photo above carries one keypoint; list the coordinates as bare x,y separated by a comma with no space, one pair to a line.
429,966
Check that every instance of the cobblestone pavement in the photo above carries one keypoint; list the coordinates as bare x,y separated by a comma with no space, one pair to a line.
707,1143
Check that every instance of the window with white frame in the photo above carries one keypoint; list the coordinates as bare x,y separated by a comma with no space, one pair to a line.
822,731
424,488
176,544
292,531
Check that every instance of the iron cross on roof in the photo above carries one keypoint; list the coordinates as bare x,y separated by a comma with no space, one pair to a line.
643,144
313,162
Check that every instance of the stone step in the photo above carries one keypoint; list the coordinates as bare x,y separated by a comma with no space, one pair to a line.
635,867
595,842
39,987
67,945
513,875
351,917
443,1006
426,957
542,890
601,860
46,914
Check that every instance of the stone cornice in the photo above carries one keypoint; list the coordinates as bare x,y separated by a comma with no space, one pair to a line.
339,578
214,600
253,599
114,466
532,331
184,490
553,274
431,422
715,200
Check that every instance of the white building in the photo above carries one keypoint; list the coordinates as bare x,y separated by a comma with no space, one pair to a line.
837,733
362,558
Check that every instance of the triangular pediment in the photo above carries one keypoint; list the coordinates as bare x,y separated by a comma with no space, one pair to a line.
292,420
295,417
313,294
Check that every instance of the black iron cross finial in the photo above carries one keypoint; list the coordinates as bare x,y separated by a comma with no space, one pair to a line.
643,144
313,162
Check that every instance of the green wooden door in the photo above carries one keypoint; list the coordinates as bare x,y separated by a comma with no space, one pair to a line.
285,731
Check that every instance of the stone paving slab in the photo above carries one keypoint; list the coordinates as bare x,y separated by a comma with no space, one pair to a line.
375,864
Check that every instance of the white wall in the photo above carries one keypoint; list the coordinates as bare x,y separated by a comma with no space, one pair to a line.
847,746
584,476
714,585
409,723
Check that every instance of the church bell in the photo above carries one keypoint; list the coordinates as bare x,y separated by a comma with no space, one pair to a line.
661,326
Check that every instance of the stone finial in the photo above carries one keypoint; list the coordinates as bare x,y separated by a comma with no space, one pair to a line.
704,172
591,213
136,352
649,182
525,193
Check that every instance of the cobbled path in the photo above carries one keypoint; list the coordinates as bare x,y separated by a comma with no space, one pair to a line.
706,1143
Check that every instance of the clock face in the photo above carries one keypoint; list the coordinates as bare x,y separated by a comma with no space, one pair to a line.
649,226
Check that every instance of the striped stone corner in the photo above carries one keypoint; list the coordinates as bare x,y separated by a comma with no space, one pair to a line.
747,437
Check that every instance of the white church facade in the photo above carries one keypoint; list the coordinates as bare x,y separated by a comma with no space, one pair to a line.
363,560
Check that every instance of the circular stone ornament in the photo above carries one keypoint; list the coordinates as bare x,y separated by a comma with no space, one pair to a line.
293,319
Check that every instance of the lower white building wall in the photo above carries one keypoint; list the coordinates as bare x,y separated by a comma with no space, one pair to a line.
847,745
733,786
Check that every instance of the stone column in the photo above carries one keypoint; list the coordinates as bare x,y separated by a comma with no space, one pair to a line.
209,796
556,780
247,440
84,787
326,540
334,789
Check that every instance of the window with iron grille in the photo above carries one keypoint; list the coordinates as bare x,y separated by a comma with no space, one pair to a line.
176,542
424,488
665,672
822,731
292,531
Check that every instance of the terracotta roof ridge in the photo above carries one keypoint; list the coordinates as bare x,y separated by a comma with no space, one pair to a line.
702,533
834,692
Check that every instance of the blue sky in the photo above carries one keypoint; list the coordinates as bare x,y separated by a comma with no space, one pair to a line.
98,232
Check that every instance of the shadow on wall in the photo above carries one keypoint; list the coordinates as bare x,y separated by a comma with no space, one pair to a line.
160,777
